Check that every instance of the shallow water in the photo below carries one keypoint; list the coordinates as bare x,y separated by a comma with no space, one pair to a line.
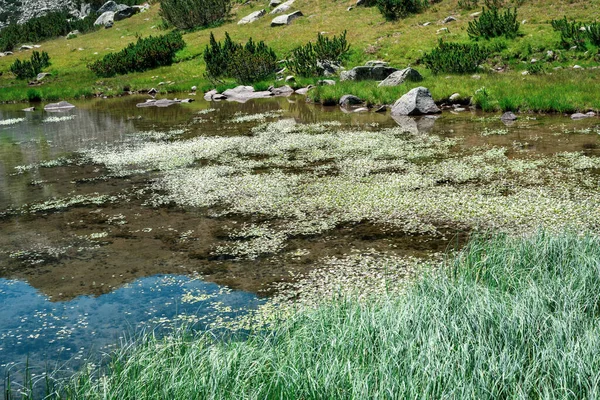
84,257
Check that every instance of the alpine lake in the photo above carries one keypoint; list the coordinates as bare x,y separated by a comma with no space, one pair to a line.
117,220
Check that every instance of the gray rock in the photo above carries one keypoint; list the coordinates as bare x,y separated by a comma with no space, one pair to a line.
349,100
475,14
274,3
360,3
290,78
282,91
449,19
283,7
442,30
377,63
41,76
590,114
350,8
250,18
286,19
124,12
108,6
152,92
29,109
398,77
377,72
59,107
577,116
577,67
328,68
415,125
454,97
107,18
508,116
381,109
208,96
360,110
26,47
194,88
326,82
244,93
418,101
427,23
72,34
219,96
302,91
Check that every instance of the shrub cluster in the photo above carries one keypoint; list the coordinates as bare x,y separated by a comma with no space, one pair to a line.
306,60
190,14
470,4
494,23
577,33
146,53
247,63
30,68
49,26
455,57
397,9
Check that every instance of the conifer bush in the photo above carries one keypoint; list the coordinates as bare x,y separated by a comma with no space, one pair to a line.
304,60
456,58
190,14
398,9
577,33
494,23
146,53
28,69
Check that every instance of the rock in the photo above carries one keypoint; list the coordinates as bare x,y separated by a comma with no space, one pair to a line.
152,92
442,30
525,73
573,48
8,53
381,109
274,3
124,12
219,96
194,88
108,6
534,60
577,116
459,109
476,76
449,19
349,100
26,47
415,125
577,67
29,109
142,8
508,116
350,8
106,18
187,101
418,101
72,34
475,14
361,110
59,107
590,114
376,63
326,82
398,77
328,68
109,24
454,97
427,23
41,76
282,91
373,71
361,3
244,93
286,19
290,78
208,96
549,54
283,7
302,91
250,18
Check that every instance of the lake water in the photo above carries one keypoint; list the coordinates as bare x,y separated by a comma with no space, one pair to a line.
88,257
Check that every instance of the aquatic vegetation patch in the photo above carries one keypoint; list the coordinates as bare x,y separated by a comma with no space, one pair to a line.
240,117
11,121
59,119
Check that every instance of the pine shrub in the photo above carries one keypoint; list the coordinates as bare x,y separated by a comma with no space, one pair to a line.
494,23
28,69
577,33
145,54
190,14
249,63
304,60
397,9
455,57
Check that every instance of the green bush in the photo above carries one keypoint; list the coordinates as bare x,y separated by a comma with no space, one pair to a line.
493,23
397,9
145,54
51,25
246,64
190,14
304,60
30,68
577,33
455,57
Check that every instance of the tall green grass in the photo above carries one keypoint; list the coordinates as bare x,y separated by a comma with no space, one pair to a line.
508,317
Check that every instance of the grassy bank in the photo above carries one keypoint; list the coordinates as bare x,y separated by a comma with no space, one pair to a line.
401,43
509,317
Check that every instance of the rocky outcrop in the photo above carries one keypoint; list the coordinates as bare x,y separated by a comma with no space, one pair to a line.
399,77
418,101
250,18
106,19
286,19
242,94
284,7
372,70
124,12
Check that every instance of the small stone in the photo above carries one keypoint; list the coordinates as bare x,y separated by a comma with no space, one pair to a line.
29,109
449,19
590,114
427,23
349,8
534,60
442,30
381,109
361,110
326,82
349,99
152,91
577,67
550,54
454,97
194,88
476,76
508,116
525,73
577,116
475,14
290,78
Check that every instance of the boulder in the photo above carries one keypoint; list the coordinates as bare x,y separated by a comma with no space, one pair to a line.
194,88
108,6
454,97
283,7
285,19
303,91
326,82
577,116
244,93
274,3
124,12
72,34
398,77
107,18
349,100
508,116
250,18
415,125
282,91
328,68
418,101
29,109
381,109
142,8
41,76
377,72
449,19
208,96
152,92
290,78
59,107
26,47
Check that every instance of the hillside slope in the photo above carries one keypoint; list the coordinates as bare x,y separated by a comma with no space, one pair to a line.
401,43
